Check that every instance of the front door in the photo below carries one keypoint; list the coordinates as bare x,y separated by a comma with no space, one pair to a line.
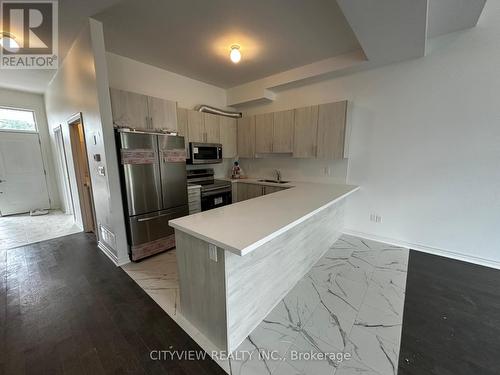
22,177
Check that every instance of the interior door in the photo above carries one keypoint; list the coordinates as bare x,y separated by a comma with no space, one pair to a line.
22,176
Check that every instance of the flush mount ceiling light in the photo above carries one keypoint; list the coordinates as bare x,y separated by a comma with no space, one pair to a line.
235,54
8,41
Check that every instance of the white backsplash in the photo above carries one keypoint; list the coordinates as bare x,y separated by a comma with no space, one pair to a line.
297,169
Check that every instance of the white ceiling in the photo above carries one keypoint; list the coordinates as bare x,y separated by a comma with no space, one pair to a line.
193,37
446,16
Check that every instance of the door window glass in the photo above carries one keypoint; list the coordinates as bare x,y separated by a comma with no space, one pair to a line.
17,120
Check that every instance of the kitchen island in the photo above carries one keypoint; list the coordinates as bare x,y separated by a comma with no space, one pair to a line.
236,262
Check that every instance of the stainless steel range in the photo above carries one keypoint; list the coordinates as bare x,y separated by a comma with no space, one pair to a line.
214,193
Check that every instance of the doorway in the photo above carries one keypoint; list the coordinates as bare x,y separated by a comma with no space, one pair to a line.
65,188
82,172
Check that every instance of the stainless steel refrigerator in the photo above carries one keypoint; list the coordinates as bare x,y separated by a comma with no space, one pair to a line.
154,187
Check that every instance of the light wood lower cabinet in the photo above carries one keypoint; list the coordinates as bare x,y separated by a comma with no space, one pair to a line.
246,137
248,191
194,200
332,130
244,191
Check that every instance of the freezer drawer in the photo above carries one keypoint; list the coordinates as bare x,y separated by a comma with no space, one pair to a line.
141,172
150,233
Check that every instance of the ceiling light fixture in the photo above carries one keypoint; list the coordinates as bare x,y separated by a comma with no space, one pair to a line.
8,41
235,54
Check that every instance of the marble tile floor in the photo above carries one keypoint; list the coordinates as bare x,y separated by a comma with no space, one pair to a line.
20,230
349,307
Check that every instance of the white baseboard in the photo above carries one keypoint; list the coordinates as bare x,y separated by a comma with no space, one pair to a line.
106,250
426,249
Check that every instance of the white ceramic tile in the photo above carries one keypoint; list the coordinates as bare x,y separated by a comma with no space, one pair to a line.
330,324
373,351
20,230
388,298
354,294
385,324
353,367
299,360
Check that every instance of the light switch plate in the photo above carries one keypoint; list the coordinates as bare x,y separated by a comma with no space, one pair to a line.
212,252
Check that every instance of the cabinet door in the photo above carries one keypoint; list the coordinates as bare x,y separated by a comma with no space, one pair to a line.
331,130
212,128
228,136
305,132
162,113
246,137
254,190
283,132
272,189
196,128
264,133
182,122
129,109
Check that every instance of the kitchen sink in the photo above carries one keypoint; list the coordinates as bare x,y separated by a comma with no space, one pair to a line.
275,181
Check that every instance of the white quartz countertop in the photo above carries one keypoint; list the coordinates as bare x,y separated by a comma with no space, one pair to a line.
244,226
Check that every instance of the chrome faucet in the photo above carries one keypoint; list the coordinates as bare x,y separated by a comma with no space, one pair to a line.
278,175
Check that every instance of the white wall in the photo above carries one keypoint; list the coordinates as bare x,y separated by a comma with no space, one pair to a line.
81,85
132,75
34,102
425,144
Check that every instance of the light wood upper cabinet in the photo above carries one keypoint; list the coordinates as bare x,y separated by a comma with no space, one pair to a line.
196,127
305,132
246,137
212,128
283,131
331,130
264,133
129,109
162,113
228,137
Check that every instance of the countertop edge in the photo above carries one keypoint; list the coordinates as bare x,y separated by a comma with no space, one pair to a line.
255,245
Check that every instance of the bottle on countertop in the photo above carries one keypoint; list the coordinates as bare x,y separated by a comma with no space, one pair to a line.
237,172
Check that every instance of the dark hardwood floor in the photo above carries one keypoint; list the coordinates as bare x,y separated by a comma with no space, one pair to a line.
66,309
451,323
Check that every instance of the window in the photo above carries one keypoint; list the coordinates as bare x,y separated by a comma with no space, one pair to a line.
17,120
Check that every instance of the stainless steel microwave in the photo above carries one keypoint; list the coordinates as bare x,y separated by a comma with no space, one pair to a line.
204,153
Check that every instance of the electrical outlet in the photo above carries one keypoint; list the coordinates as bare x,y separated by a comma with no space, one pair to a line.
212,252
376,218
328,171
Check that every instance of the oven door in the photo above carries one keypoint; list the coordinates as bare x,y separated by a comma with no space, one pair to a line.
205,153
215,198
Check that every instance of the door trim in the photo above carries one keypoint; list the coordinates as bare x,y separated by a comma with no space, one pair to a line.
73,120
